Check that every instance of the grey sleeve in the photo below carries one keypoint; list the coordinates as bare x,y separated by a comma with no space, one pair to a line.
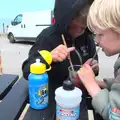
100,102
109,82
107,103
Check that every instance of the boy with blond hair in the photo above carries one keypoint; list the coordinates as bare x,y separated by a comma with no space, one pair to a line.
104,20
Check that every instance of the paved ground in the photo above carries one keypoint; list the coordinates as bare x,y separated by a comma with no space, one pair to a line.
13,56
5,44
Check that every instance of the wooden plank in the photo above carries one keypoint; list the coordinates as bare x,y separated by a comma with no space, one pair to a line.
89,103
90,115
97,116
24,112
6,83
83,110
14,102
45,114
49,113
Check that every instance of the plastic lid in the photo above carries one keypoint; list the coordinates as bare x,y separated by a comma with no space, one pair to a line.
68,85
37,67
46,55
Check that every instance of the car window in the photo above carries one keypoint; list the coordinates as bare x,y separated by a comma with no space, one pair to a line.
18,19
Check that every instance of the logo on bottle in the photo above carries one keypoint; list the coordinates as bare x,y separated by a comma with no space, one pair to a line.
42,93
67,114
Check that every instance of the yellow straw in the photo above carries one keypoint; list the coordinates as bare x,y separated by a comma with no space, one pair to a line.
70,61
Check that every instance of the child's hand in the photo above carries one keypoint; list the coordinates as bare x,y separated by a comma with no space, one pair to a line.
60,53
87,77
94,65
86,74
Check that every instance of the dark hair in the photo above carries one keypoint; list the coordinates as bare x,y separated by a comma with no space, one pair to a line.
80,11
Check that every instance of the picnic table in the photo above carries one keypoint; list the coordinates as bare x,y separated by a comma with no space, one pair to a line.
14,102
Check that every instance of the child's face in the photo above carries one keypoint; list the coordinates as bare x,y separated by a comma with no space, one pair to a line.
77,27
109,40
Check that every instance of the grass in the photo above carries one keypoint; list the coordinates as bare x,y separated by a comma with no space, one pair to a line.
3,35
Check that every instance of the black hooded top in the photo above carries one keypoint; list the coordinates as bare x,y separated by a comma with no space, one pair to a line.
66,10
50,38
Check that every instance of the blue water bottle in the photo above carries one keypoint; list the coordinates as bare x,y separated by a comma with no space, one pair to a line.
38,85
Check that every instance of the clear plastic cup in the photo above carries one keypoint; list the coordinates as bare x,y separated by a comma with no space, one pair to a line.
74,76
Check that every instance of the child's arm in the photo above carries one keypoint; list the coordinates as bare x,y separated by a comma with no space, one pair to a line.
105,102
105,83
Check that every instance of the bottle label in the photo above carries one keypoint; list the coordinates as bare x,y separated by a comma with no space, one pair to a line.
67,114
38,96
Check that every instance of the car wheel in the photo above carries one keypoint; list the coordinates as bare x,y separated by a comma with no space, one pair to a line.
11,38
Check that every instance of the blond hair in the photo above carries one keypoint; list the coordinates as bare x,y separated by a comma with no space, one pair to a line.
104,14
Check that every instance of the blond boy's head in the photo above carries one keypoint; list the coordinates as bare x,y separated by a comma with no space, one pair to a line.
104,14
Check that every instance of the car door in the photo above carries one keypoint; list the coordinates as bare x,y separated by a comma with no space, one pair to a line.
17,28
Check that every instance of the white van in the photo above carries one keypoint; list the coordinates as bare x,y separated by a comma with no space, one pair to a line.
27,26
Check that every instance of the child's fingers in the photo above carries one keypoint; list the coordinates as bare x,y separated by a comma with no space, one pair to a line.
87,66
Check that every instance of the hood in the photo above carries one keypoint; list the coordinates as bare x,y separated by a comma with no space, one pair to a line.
65,11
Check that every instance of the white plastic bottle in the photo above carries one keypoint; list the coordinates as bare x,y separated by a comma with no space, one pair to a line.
68,100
